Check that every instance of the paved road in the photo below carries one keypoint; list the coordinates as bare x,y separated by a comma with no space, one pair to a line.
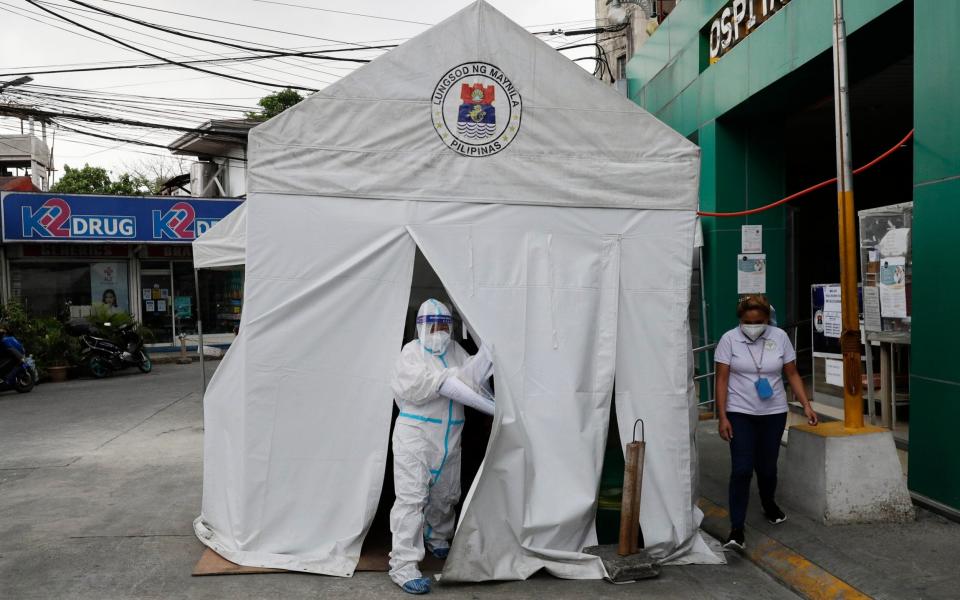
100,480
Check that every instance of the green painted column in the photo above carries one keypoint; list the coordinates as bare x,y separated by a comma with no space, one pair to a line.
934,469
741,168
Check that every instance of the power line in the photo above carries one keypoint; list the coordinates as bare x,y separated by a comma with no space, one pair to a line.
182,33
22,111
136,66
84,36
132,141
74,10
341,12
303,35
159,57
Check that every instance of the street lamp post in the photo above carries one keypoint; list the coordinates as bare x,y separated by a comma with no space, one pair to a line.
18,81
850,335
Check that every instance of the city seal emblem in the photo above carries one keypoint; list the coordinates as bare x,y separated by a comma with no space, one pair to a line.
476,109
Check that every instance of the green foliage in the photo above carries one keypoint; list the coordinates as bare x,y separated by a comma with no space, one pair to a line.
20,324
44,338
55,347
96,180
101,314
274,104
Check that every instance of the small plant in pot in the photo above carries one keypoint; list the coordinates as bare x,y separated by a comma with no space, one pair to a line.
57,350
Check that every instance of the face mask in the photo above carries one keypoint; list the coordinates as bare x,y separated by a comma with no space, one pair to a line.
437,342
753,331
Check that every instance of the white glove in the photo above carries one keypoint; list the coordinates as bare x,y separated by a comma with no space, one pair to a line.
478,368
460,392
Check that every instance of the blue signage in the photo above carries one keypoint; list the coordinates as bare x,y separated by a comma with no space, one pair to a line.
44,217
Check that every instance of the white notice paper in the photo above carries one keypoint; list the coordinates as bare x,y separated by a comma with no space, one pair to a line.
893,288
752,274
832,324
751,239
871,309
834,372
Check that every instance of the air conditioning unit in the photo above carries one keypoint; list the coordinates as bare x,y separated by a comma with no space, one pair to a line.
202,180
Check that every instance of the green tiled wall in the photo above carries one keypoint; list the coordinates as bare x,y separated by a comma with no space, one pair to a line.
934,374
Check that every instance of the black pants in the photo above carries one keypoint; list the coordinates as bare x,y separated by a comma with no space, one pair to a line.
754,447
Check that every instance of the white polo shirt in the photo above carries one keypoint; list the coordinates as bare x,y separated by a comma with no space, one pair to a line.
771,351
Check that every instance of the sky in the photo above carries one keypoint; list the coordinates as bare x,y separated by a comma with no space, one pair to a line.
34,40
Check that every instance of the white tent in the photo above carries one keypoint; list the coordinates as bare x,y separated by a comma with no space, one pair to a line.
562,231
225,244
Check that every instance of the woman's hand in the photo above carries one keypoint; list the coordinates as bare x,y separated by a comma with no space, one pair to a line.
725,429
811,415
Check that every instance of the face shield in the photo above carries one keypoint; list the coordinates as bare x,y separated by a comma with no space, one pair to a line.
434,326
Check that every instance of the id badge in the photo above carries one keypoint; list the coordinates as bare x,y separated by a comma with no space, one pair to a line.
764,389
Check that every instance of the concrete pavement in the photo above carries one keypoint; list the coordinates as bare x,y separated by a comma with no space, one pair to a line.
100,480
907,560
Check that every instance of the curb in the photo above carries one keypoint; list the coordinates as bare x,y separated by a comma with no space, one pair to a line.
785,565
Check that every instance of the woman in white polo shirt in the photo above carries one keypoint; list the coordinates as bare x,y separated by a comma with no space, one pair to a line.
752,406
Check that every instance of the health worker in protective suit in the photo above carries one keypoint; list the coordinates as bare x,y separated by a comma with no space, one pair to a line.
434,378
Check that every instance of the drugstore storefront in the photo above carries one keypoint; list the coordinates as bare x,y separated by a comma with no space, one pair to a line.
69,252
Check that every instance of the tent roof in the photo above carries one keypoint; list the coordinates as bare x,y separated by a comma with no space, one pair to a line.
225,244
387,129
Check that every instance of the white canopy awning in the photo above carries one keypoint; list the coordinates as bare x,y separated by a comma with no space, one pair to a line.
225,244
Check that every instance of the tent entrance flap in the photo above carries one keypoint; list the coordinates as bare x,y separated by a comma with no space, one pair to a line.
546,303
474,432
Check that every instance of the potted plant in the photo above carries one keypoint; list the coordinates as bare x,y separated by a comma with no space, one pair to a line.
56,349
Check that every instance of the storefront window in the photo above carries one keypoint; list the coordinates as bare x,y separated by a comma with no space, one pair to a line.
169,300
221,300
45,288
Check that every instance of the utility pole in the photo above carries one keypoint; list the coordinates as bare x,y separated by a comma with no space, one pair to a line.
850,335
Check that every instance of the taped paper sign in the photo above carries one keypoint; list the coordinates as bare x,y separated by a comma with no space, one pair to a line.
752,274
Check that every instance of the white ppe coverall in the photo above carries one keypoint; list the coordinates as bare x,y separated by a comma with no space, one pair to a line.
426,443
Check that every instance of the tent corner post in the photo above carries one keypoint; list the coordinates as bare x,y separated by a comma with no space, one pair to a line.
203,369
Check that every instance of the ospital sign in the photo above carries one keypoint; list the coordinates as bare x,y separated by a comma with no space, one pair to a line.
737,20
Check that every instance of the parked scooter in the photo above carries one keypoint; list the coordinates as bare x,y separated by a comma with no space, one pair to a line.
103,356
17,372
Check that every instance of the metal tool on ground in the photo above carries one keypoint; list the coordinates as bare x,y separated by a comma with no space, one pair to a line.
627,561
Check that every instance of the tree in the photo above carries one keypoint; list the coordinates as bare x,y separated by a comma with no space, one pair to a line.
274,104
96,180
155,172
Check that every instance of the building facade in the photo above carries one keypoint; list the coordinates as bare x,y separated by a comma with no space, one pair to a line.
751,82
70,251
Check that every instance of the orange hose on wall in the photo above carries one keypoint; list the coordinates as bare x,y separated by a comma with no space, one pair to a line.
812,188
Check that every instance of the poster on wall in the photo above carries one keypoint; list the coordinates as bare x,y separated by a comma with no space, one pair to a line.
751,273
150,306
834,371
871,309
182,307
893,289
751,239
832,311
108,284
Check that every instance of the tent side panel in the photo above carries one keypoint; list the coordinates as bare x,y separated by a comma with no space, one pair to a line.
224,244
327,289
654,383
221,515
541,287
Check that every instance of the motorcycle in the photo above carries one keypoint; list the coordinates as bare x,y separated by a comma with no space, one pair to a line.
17,372
102,356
